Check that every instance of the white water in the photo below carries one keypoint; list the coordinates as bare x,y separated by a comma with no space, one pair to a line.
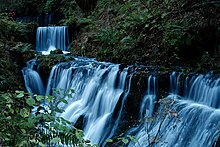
147,104
51,38
204,89
32,79
174,88
98,88
146,114
190,121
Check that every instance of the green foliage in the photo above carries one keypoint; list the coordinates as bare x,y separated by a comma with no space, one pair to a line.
53,5
8,70
107,37
66,7
123,141
10,30
24,7
25,122
146,31
47,62
13,52
12,57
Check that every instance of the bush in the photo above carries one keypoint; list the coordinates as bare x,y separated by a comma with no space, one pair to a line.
28,121
147,32
10,30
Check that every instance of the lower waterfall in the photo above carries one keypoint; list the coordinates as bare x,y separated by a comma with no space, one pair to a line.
32,79
98,86
190,118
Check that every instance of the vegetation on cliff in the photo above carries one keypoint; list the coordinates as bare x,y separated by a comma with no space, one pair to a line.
170,32
15,50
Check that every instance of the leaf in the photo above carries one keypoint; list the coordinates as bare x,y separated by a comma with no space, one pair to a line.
9,106
11,110
23,130
87,141
125,141
58,110
55,140
17,91
147,25
33,140
41,144
127,39
72,90
50,98
24,112
39,97
30,101
31,119
79,134
63,100
20,95
133,138
108,140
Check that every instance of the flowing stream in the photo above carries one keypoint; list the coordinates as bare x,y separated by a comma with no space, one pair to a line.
190,118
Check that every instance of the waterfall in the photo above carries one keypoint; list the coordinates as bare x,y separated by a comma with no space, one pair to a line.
51,38
32,79
147,105
146,113
98,89
174,83
188,116
203,89
190,120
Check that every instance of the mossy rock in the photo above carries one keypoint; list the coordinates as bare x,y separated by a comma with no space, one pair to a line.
57,51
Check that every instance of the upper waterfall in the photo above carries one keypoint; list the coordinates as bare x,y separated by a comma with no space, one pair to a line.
50,38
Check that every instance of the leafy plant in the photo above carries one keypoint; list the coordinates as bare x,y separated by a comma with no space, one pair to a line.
28,121
123,141
13,31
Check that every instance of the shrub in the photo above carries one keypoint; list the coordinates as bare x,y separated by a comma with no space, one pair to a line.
28,121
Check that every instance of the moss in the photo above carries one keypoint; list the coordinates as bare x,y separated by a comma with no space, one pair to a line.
57,51
47,62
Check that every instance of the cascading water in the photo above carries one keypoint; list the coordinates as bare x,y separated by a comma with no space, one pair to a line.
204,89
99,86
147,105
174,81
32,79
98,89
191,119
186,123
146,112
51,38
48,39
